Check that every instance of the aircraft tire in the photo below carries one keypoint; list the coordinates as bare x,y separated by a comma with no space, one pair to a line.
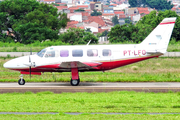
21,82
75,82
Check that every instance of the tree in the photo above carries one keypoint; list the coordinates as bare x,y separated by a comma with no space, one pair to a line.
121,33
140,33
79,10
55,4
143,28
128,20
3,26
129,32
159,4
115,20
141,3
105,33
133,3
154,18
88,30
95,13
78,36
31,20
15,11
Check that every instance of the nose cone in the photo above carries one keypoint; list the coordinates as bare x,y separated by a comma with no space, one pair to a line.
10,64
16,63
6,65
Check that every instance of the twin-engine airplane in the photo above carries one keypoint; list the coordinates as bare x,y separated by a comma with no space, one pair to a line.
82,58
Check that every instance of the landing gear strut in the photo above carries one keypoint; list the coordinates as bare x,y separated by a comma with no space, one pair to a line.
21,81
75,74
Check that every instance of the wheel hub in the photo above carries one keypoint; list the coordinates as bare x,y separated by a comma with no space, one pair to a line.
74,82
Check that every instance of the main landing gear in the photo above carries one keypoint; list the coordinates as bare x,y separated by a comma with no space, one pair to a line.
21,81
75,74
75,82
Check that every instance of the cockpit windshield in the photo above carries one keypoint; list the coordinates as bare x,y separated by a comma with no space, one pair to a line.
41,53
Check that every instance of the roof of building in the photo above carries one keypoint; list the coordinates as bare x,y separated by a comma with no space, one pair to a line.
114,4
97,19
82,6
122,16
143,10
108,14
118,12
72,14
81,27
92,24
101,30
132,8
173,9
85,13
71,24
73,8
61,7
105,6
88,10
92,2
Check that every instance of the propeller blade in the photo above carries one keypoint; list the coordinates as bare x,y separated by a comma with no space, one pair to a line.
30,51
29,59
30,63
30,72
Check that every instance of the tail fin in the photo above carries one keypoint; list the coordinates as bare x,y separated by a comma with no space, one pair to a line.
157,41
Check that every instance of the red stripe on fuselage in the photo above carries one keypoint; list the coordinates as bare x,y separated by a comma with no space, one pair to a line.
115,64
167,23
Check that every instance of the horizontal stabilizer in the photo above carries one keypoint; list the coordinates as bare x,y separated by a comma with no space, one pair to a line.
154,52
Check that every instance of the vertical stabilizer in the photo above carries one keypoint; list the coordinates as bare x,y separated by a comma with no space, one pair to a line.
158,39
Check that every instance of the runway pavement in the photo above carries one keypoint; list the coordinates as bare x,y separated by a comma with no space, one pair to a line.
59,87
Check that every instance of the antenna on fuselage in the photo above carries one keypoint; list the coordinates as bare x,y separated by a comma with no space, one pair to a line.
88,42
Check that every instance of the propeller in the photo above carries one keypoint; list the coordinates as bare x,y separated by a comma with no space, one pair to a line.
30,63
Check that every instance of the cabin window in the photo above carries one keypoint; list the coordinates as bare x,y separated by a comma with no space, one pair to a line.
64,53
92,53
41,53
50,54
77,53
106,52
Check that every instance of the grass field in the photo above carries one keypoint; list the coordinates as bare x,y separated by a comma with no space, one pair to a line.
115,102
153,70
89,117
171,48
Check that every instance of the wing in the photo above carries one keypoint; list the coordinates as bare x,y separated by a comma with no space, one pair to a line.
77,64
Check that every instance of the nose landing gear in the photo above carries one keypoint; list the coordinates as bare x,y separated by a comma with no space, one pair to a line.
21,81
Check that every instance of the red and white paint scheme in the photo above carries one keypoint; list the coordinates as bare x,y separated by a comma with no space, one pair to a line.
80,58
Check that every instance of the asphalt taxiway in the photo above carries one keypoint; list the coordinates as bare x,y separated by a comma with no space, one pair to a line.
59,87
